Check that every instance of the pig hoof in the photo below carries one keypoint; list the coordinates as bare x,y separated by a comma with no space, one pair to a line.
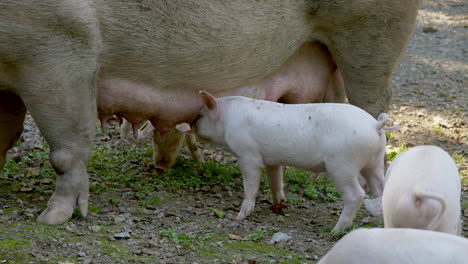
54,216
278,207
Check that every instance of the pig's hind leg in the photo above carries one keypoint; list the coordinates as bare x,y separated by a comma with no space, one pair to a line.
346,181
12,113
375,179
275,180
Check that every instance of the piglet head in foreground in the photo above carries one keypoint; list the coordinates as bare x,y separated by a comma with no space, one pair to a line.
207,127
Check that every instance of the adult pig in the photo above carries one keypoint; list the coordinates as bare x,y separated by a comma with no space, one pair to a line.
309,76
422,190
341,139
52,53
397,245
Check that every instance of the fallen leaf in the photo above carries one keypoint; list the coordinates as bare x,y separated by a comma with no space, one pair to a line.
235,237
219,213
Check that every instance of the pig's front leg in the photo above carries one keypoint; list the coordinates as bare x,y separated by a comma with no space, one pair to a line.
67,122
194,150
251,175
275,180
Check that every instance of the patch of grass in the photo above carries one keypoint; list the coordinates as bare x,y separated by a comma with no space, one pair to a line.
259,234
16,251
115,251
438,130
154,200
389,135
321,189
173,236
392,152
184,239
294,199
458,157
94,209
458,110
9,244
189,174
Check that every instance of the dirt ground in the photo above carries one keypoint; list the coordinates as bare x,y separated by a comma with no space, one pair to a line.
197,226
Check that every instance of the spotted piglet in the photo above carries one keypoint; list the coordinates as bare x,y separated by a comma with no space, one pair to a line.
341,139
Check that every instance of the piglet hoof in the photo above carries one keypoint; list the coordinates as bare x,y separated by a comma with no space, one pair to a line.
246,210
374,206
278,208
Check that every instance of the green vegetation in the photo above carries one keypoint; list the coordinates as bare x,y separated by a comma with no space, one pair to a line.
392,152
321,189
259,234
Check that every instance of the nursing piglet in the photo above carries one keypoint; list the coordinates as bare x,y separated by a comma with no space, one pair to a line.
341,139
422,190
165,150
397,245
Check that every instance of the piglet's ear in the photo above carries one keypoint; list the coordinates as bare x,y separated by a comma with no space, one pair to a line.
183,127
209,100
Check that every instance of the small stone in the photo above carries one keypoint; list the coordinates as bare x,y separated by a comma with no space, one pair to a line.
45,181
95,228
279,237
429,29
131,243
123,235
218,158
1,212
69,229
29,214
81,254
121,218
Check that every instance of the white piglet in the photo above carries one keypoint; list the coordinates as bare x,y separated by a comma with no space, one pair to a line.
341,139
397,245
422,190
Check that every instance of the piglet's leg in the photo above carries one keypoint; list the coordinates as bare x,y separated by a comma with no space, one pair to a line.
275,180
251,175
195,151
347,183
